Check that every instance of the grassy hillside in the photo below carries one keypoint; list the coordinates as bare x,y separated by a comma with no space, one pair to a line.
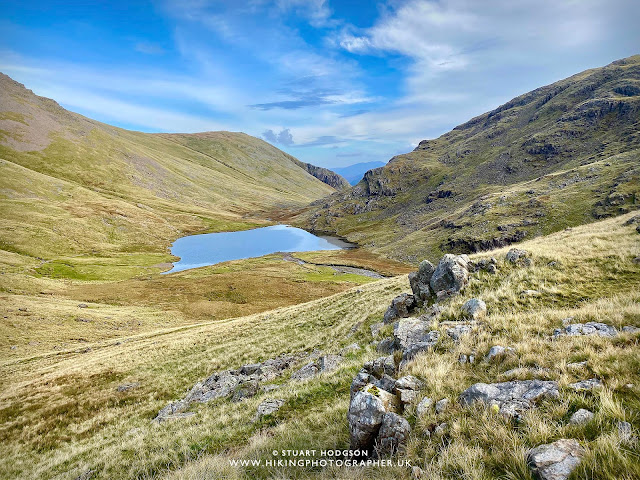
72,188
62,415
561,155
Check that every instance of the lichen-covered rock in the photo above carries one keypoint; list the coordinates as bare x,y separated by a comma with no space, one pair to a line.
510,397
386,346
381,366
474,309
393,435
327,363
424,407
400,306
419,282
409,331
555,461
581,416
451,275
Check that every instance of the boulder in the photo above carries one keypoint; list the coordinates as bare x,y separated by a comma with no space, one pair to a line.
310,370
474,309
366,412
400,307
512,397
581,416
381,366
268,407
409,382
517,256
451,275
360,381
420,280
409,331
245,389
555,461
386,382
393,434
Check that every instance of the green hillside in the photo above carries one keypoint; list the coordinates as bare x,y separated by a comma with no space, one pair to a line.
71,187
561,155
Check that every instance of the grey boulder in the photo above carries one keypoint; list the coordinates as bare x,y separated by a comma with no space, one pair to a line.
555,461
451,275
420,280
400,306
393,435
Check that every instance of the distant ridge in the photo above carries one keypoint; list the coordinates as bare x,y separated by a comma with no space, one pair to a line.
354,173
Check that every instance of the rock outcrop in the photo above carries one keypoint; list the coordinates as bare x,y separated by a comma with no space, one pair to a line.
555,461
589,328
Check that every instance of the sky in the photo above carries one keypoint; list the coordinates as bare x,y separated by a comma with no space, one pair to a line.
331,82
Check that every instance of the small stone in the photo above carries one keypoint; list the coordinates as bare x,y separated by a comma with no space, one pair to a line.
516,255
128,386
555,461
310,370
83,305
400,306
581,416
354,347
409,382
457,332
268,407
474,309
441,405
328,363
625,431
530,293
386,346
497,351
630,329
375,329
424,407
416,472
441,429
462,358
583,385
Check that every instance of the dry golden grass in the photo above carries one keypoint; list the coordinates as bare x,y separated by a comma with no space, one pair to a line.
61,414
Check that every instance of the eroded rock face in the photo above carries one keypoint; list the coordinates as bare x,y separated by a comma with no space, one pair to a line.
511,397
420,280
400,307
555,461
589,328
451,275
393,435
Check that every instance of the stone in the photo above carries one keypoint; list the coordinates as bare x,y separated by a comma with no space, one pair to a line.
424,407
127,386
441,405
83,305
555,461
457,332
366,412
584,385
328,363
310,370
393,435
386,382
625,432
354,347
630,329
381,366
441,429
250,369
246,389
511,397
497,351
451,275
474,309
581,416
268,407
386,346
530,293
416,472
409,382
400,306
589,328
406,396
360,381
577,365
375,328
516,256
409,331
414,349
420,280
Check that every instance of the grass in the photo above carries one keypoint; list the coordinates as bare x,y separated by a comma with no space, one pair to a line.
62,415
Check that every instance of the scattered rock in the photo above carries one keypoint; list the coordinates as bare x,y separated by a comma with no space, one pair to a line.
375,329
407,389
414,349
497,351
489,265
310,370
416,472
555,461
451,275
420,282
625,432
581,416
268,407
632,221
530,293
441,429
583,385
630,329
510,397
127,386
458,331
328,363
400,307
441,405
393,434
577,365
589,328
386,346
85,475
518,257
354,347
409,331
424,407
83,305
474,309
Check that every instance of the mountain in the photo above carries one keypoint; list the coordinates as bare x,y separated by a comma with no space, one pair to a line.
354,173
561,155
72,186
325,175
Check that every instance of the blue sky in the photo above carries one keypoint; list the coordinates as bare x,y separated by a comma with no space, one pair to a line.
331,82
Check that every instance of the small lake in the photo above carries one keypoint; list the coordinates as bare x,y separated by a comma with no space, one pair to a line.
211,248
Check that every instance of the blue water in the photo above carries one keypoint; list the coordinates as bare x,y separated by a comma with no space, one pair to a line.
211,248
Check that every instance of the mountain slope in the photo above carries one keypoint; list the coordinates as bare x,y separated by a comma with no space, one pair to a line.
325,175
74,186
561,155
354,173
